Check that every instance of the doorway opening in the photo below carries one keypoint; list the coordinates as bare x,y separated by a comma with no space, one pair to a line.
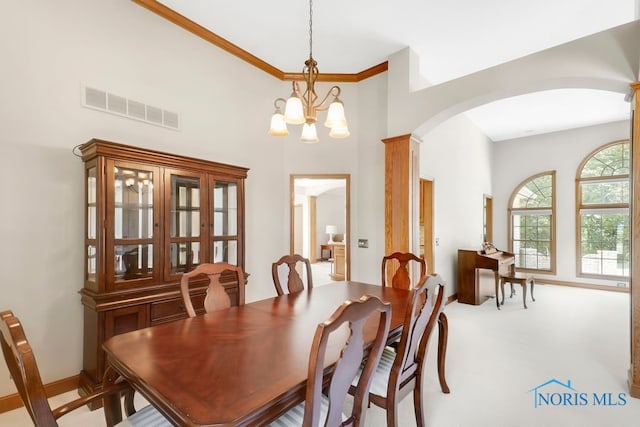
320,224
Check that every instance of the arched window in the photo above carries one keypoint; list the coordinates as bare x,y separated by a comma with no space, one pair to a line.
602,189
532,223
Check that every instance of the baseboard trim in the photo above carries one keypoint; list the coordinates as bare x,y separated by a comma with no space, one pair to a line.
582,285
451,299
454,297
13,401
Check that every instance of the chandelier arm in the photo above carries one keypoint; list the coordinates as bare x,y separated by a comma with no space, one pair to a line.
335,91
275,102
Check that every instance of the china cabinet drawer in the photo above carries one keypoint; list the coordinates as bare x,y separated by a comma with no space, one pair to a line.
172,309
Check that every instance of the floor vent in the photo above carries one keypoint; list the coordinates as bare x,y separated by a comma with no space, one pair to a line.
98,99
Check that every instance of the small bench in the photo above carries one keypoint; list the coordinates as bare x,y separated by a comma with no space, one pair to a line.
521,279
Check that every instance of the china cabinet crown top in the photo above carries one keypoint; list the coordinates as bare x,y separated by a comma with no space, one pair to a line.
98,147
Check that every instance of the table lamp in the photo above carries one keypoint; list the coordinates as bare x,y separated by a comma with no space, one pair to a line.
331,230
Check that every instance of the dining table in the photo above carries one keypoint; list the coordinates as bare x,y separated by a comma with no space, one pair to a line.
239,366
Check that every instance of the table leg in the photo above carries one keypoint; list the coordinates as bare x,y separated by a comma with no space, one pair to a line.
524,292
111,402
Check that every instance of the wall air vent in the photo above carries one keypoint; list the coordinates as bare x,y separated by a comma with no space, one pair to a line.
98,99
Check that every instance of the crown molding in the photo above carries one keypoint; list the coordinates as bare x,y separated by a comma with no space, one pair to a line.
205,34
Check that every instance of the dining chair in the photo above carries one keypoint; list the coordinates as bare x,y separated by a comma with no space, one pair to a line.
23,368
319,409
402,279
217,297
287,265
398,367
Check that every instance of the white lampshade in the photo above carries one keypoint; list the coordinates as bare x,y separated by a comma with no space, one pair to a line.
309,134
335,115
339,131
278,125
331,229
293,112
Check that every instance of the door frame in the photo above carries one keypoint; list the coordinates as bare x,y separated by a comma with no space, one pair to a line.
347,237
426,222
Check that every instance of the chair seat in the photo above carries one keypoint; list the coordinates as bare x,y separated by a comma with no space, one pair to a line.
516,277
380,381
294,416
147,417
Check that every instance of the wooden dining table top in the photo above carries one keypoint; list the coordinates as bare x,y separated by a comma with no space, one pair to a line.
239,366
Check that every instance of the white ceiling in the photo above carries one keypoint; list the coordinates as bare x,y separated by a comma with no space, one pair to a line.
453,38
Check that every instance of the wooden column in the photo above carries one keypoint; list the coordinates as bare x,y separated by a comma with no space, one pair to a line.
313,227
634,371
401,186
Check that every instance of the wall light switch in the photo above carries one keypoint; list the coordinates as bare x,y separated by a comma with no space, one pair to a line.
363,243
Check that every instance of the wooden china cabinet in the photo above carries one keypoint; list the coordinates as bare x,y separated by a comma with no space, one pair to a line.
151,216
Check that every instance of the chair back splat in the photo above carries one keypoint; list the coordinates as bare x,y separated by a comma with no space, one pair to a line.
217,297
294,281
401,277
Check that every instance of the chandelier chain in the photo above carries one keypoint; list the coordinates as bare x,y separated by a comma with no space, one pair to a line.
310,28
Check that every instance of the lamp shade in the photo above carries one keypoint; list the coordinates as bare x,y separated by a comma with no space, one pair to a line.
278,125
339,132
335,115
309,133
331,229
293,111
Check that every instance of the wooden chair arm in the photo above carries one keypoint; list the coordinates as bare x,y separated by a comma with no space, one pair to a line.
119,388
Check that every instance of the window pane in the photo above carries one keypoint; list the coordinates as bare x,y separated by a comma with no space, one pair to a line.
91,263
133,261
532,240
611,161
536,193
133,204
225,209
91,203
605,243
185,206
184,256
594,192
225,251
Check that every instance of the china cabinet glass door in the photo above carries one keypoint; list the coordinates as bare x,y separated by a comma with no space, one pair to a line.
91,225
225,237
185,214
134,218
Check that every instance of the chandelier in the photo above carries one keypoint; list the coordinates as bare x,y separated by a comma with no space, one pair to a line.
301,107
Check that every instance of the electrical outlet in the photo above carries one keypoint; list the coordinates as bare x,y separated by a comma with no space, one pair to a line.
622,285
363,243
